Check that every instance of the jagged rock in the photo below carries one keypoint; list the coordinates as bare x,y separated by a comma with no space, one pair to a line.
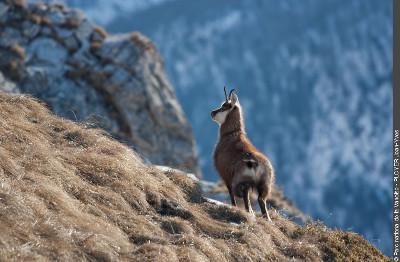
7,86
47,53
113,82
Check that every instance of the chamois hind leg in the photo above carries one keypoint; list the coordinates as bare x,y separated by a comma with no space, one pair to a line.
246,198
233,200
262,197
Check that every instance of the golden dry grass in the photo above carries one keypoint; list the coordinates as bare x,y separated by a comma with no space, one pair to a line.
70,193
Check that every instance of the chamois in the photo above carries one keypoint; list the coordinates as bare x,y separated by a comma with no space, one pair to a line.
240,165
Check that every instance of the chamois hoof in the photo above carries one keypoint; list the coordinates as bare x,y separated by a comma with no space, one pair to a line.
251,212
266,215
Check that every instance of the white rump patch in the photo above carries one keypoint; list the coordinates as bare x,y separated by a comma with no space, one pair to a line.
251,172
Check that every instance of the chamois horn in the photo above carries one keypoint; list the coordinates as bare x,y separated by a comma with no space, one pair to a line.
230,93
226,97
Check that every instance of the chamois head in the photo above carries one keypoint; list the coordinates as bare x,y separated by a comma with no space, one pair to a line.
231,101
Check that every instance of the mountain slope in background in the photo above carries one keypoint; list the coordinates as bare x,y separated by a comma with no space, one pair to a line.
314,78
79,195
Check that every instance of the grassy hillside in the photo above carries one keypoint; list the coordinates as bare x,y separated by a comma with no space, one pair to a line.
69,192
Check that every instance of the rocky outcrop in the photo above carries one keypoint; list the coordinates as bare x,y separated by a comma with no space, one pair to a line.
114,82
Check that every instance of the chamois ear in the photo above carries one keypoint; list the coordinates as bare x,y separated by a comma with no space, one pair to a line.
233,97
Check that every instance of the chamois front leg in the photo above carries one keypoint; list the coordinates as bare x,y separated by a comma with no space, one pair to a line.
233,200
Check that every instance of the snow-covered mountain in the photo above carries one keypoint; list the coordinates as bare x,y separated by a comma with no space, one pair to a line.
313,77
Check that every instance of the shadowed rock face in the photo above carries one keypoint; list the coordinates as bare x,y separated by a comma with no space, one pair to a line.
113,82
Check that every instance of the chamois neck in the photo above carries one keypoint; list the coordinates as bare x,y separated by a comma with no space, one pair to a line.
233,124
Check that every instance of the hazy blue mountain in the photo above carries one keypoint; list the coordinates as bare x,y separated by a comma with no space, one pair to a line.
313,77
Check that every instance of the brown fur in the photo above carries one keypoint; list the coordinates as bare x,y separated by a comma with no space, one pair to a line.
234,154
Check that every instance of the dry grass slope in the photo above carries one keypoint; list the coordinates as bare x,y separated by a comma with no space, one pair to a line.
68,192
